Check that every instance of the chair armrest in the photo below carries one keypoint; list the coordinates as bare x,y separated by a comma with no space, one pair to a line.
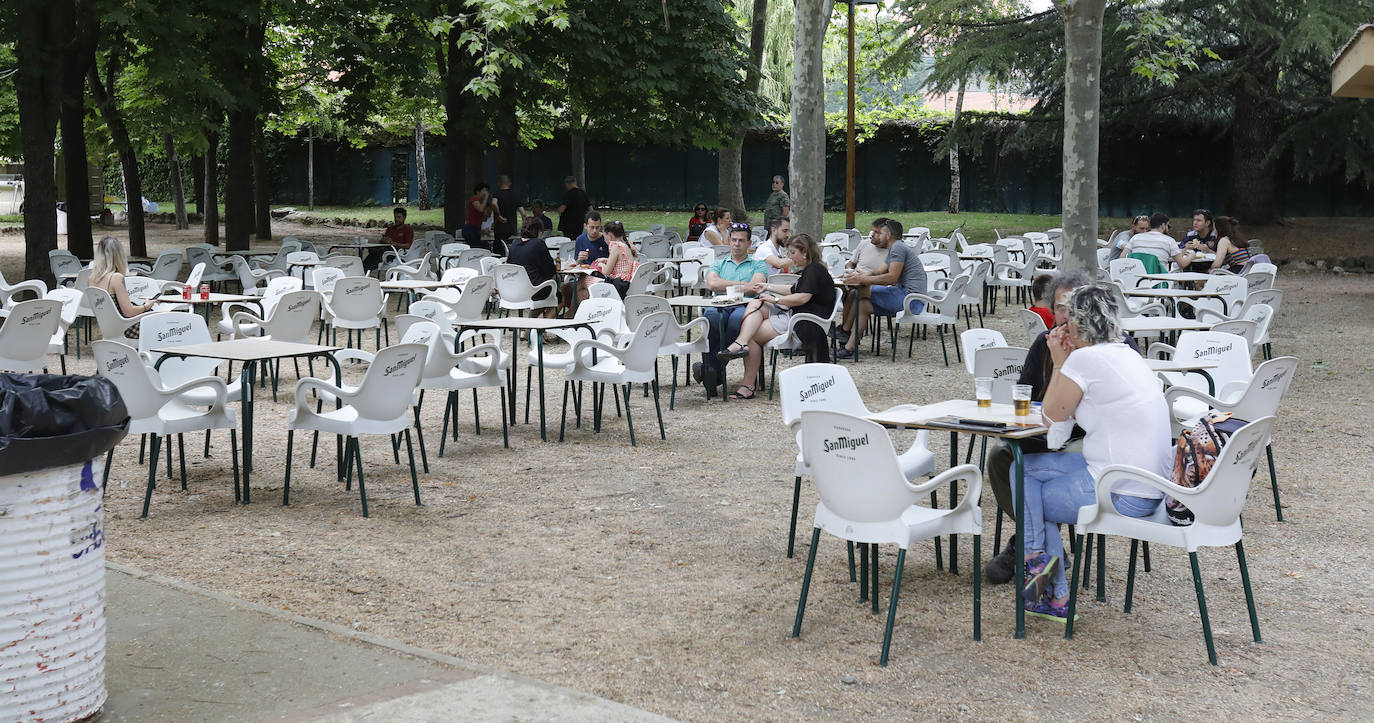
215,384
478,350
551,285
245,317
1174,392
581,345
1117,473
924,298
700,321
308,383
823,323
1164,350
1203,313
969,473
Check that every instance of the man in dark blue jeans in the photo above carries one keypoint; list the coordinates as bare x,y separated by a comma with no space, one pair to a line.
736,271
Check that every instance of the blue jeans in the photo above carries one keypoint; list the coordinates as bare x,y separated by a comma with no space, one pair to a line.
1057,484
734,316
888,299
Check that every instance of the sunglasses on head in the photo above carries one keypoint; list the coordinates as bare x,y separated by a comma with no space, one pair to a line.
739,227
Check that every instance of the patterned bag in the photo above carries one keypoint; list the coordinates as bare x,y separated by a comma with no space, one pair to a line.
1195,452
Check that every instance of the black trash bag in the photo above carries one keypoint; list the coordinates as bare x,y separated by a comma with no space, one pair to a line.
51,420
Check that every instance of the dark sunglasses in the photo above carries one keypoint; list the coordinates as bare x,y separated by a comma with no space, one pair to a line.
700,208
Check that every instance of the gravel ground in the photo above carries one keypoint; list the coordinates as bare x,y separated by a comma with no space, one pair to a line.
656,576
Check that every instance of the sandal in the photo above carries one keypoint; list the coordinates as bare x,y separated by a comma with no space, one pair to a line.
737,395
730,352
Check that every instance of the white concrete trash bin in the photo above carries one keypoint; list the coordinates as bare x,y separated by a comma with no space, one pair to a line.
52,595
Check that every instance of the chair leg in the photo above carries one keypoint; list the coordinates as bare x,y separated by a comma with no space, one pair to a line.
206,453
806,581
505,422
563,420
892,605
528,371
358,457
1088,570
167,442
443,432
850,546
1202,609
977,587
863,572
152,472
658,409
414,481
1146,550
997,534
420,436
1102,568
105,478
792,529
941,329
629,420
1249,594
234,455
1130,577
286,479
1274,481
873,576
1073,585
477,413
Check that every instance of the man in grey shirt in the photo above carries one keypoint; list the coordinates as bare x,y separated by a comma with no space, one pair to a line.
778,205
888,289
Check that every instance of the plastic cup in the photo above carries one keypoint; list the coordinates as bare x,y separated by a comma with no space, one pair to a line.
982,391
1020,399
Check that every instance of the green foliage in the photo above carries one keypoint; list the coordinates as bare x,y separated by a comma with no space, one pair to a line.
9,103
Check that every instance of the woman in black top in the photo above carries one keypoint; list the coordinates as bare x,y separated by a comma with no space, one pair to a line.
814,293
531,253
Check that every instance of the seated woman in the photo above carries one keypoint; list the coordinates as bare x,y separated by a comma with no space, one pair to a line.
622,260
1233,252
814,293
107,272
531,253
698,222
1105,386
718,233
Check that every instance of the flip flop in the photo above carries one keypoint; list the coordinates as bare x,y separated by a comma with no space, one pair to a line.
737,395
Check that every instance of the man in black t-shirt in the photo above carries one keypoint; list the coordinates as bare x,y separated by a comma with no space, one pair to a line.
574,209
507,206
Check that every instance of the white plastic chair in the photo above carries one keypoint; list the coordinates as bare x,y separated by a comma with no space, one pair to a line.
457,275
1230,354
379,404
62,261
866,498
790,341
602,290
676,343
831,387
1126,271
1260,399
179,328
1003,364
940,309
452,372
1231,305
355,304
290,318
1033,323
112,324
270,295
349,264
1216,505
71,304
627,365
9,291
418,269
974,339
167,266
468,304
26,334
213,271
249,279
161,410
517,293
1263,316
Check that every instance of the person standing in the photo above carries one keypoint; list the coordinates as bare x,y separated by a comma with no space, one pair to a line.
508,208
477,210
779,204
574,209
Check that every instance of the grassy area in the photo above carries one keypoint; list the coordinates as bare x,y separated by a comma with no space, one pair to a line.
17,218
977,226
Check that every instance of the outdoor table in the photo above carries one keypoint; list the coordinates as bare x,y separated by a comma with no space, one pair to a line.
1175,294
246,253
1162,325
933,417
302,265
213,299
577,273
1174,277
249,352
360,247
698,302
1185,367
412,286
517,324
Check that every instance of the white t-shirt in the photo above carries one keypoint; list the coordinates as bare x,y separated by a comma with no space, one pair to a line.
1159,244
768,248
1123,411
710,237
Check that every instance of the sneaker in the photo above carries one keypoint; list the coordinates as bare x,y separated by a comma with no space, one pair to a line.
839,334
1046,609
698,371
1002,566
1038,572
844,353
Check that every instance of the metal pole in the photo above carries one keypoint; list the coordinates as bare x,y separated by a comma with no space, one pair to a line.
849,132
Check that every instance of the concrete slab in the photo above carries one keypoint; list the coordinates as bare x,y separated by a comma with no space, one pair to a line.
177,653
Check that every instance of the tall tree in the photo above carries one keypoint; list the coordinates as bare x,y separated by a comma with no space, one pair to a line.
43,33
730,162
807,154
174,180
103,92
1082,114
77,168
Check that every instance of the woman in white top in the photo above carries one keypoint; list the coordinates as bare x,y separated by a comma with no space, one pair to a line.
107,272
718,233
1105,386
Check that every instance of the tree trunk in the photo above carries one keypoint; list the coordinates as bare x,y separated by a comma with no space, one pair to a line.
238,191
807,154
455,68
473,158
104,94
310,169
262,212
955,180
78,194
1251,186
198,182
421,167
174,177
507,146
578,147
1082,111
211,174
42,30
729,180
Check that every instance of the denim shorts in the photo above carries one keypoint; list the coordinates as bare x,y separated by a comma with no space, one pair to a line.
888,299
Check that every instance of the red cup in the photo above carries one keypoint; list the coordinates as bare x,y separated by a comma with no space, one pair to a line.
204,292
186,291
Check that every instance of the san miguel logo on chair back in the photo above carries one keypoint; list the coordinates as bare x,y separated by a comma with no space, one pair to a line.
400,365
815,388
1212,351
175,331
116,363
845,443
510,275
299,305
1006,371
356,289
35,316
1271,381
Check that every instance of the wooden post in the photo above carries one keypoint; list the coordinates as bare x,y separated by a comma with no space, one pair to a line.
849,132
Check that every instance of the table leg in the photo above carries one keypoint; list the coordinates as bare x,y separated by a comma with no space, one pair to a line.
514,344
1019,467
246,407
953,489
539,340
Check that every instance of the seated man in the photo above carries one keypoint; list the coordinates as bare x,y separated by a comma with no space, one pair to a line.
738,271
399,234
590,246
1036,372
1158,243
886,290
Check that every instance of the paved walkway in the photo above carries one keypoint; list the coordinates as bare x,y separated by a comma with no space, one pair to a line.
178,653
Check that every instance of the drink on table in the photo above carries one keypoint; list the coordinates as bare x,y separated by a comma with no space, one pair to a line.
1020,399
982,391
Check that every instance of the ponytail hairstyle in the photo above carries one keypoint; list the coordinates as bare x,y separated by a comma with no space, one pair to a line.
617,229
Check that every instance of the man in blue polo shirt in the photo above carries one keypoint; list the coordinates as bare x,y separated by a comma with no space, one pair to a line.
739,271
591,245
